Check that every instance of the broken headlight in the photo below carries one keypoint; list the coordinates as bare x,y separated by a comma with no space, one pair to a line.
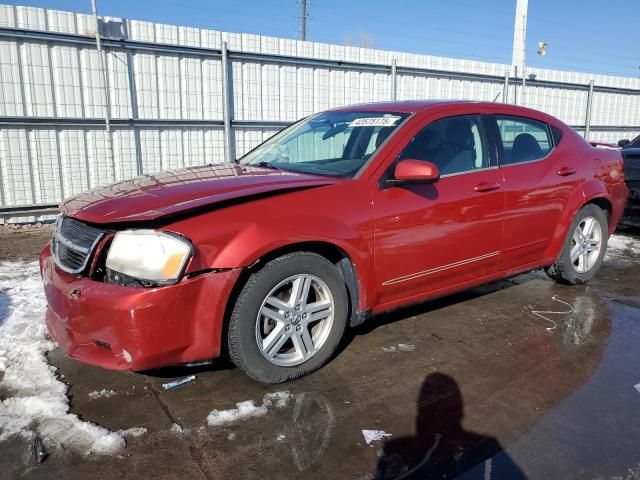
149,256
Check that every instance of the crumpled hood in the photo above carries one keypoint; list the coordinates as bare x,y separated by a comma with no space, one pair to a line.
151,197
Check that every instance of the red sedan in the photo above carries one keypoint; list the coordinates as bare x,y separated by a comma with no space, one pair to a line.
342,215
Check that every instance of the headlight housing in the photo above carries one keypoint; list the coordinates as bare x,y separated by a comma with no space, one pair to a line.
150,256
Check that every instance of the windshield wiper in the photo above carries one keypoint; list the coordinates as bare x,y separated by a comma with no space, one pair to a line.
267,165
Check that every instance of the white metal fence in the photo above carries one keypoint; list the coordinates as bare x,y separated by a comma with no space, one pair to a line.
183,96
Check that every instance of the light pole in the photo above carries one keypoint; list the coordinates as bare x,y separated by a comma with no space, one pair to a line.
519,44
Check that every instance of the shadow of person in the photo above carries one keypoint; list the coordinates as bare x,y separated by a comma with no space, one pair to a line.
441,447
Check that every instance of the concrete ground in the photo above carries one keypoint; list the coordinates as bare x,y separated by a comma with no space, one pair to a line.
539,377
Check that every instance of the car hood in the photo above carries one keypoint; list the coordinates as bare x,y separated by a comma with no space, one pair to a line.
151,197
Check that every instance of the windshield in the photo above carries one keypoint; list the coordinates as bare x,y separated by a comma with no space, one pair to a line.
334,144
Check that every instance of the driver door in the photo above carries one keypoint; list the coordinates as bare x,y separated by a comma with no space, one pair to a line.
438,237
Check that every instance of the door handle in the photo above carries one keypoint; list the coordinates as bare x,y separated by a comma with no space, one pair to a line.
486,187
566,171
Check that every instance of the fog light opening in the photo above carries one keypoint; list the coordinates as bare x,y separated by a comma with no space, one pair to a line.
104,345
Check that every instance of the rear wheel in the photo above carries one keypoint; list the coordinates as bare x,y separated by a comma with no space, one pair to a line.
584,248
289,318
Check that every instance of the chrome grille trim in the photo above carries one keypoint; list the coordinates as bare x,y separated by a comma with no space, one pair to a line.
73,243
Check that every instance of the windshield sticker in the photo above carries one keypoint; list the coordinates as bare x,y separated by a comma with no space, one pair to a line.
375,122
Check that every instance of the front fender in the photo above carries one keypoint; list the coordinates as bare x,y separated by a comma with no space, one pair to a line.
238,236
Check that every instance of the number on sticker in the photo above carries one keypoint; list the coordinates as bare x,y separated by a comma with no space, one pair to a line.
374,122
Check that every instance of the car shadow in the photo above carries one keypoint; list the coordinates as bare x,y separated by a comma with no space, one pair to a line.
176,371
428,306
223,363
630,228
441,447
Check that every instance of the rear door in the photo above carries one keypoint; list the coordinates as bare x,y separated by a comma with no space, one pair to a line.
538,183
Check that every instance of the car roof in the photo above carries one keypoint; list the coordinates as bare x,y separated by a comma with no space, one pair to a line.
404,106
416,106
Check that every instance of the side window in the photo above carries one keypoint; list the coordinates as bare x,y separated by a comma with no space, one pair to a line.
454,145
523,139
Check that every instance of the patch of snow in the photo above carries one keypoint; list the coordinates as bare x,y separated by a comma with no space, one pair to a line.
244,410
175,428
104,393
637,387
133,432
281,438
280,399
622,246
248,409
374,435
406,347
401,347
231,436
37,400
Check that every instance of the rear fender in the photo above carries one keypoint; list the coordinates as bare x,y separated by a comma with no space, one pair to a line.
586,193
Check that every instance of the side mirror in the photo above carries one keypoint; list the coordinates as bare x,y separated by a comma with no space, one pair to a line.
623,143
410,171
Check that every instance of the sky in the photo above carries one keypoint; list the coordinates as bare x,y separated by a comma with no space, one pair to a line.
583,35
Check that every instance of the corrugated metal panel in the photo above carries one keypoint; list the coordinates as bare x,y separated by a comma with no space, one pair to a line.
58,80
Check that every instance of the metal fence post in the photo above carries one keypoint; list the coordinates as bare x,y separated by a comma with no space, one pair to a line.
515,85
394,79
104,61
227,93
505,89
587,120
133,95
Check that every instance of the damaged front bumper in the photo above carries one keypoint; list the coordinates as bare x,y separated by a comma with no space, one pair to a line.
128,328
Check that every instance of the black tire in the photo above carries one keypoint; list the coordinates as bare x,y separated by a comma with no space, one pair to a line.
564,271
242,344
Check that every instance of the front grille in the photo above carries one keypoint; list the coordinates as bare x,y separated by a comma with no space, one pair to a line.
73,243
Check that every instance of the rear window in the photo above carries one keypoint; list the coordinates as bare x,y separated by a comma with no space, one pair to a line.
523,139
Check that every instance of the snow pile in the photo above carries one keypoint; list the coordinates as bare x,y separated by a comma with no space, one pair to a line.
623,246
175,428
248,409
104,393
37,401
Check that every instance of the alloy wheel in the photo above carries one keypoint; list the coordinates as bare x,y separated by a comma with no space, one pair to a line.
586,244
294,320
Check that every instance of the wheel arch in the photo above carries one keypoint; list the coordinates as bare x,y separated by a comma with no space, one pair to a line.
332,252
592,192
605,204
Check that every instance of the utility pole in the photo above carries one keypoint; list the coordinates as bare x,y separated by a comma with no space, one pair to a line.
303,19
520,42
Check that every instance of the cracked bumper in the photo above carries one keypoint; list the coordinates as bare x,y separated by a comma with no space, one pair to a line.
128,328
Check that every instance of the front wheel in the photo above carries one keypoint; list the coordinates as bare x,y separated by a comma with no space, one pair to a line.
289,318
584,248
